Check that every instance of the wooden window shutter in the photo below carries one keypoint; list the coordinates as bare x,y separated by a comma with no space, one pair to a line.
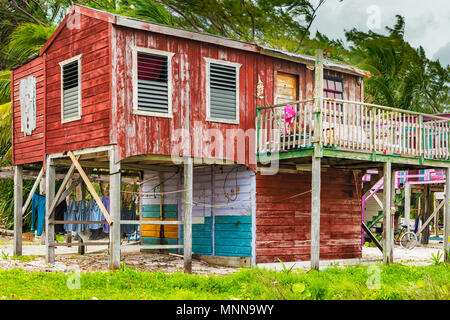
152,83
222,91
71,97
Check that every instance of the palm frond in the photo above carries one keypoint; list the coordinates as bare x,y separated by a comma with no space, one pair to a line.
26,40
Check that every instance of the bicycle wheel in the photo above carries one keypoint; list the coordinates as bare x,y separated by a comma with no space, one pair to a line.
408,240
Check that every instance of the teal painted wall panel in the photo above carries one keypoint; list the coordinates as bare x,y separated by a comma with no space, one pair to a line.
233,219
152,211
233,236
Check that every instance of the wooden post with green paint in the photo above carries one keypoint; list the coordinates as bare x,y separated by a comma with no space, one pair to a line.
447,216
315,179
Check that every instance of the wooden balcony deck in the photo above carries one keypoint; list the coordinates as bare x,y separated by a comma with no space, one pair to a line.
354,130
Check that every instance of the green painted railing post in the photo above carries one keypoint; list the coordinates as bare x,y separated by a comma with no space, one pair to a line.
421,136
258,129
372,128
318,101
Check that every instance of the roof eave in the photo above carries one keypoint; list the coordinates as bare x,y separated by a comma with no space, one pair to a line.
310,62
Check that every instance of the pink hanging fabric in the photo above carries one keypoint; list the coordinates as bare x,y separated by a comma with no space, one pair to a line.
289,114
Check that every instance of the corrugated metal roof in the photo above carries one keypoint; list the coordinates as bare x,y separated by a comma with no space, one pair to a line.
199,36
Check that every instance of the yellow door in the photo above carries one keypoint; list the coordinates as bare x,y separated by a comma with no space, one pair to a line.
286,88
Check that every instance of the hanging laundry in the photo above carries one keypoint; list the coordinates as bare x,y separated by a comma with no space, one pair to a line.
38,209
95,214
77,212
59,215
128,214
69,215
105,201
82,214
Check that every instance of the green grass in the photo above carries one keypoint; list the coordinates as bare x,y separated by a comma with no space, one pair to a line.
397,282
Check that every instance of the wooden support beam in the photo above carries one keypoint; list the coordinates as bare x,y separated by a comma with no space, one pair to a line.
407,206
427,222
81,249
33,189
80,244
50,195
18,198
371,235
387,220
157,246
115,205
68,191
49,212
315,213
90,187
392,211
76,222
425,215
447,216
316,162
187,214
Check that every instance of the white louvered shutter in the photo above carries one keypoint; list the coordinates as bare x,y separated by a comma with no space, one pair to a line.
71,98
222,91
152,83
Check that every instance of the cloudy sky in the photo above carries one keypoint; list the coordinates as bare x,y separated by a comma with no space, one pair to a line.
427,21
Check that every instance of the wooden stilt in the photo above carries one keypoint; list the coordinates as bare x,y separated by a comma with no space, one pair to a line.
81,248
187,214
50,228
426,214
407,205
394,221
18,198
387,219
315,213
447,216
114,198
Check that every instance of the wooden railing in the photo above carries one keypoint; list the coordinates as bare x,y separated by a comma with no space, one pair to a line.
271,127
354,126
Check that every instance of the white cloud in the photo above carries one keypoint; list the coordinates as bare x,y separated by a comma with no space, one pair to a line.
443,54
427,22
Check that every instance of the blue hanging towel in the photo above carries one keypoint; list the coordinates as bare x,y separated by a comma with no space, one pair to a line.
69,215
128,214
94,214
38,209
81,214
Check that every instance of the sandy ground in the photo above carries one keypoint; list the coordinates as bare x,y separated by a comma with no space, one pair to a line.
96,259
420,255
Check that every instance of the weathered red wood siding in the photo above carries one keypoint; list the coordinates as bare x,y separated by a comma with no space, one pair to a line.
268,67
107,94
91,38
28,149
283,226
140,134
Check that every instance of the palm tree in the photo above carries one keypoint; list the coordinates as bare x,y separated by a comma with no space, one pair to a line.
402,77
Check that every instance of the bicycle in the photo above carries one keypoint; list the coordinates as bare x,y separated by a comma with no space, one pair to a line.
406,239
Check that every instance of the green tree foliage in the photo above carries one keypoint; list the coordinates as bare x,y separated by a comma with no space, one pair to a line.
402,76
276,23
